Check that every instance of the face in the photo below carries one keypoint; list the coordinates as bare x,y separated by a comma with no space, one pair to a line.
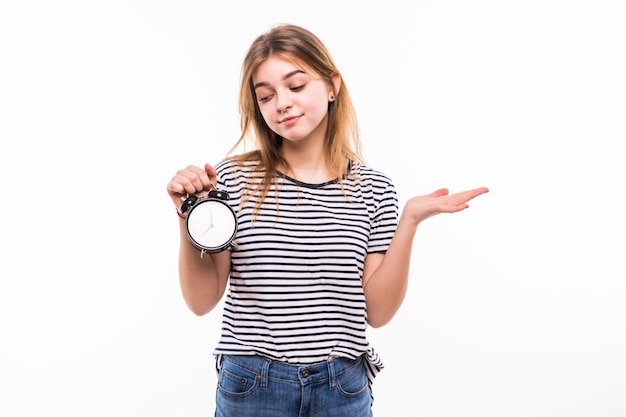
292,99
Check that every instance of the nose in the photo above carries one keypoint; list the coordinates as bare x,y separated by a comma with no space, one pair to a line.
283,103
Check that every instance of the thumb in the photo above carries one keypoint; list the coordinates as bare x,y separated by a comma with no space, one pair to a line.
440,192
210,172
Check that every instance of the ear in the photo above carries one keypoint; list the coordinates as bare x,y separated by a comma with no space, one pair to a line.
333,90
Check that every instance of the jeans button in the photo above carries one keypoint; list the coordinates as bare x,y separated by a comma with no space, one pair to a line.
305,373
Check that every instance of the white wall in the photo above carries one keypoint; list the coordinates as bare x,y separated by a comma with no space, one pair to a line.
515,306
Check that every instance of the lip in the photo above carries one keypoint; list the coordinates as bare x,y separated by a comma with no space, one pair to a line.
288,121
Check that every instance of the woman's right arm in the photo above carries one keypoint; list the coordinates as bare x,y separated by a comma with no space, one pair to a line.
202,279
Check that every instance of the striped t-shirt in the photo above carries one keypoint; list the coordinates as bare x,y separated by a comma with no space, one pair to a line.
295,293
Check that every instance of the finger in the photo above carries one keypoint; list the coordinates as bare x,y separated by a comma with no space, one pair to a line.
192,179
210,171
459,200
211,174
471,194
439,193
175,188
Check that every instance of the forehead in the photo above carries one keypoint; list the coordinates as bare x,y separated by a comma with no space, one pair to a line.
275,67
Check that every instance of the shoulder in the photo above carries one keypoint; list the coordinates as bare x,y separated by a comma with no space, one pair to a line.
226,165
371,176
376,190
236,173
236,165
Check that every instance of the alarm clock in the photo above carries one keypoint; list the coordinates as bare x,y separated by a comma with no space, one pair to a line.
211,223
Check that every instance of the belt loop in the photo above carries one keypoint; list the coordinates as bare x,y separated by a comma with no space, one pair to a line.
265,373
332,379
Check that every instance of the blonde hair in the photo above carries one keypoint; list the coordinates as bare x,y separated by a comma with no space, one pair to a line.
342,141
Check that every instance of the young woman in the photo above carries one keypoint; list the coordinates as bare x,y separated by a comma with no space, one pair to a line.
319,253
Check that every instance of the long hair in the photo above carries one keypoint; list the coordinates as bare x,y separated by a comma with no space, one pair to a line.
342,140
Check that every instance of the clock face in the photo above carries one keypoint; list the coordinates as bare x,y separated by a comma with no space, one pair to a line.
211,225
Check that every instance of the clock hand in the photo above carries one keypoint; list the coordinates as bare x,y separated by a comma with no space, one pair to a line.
207,230
210,225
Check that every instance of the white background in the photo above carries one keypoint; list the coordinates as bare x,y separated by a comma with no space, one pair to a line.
516,307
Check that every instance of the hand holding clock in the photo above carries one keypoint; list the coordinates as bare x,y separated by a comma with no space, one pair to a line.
192,180
210,222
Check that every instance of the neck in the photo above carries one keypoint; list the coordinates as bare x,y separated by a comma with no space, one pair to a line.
306,164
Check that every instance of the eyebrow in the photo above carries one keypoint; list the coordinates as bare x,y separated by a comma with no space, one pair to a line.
285,77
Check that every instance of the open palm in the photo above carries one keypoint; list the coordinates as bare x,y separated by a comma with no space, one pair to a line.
421,207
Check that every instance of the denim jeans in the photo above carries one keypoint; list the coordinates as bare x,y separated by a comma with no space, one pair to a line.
253,386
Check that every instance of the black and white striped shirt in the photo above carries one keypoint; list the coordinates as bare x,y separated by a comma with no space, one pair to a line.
295,291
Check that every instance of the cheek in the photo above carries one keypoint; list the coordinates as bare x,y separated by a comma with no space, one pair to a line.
320,100
269,117
320,106
266,113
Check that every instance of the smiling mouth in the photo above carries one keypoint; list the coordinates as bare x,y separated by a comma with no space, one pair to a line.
286,120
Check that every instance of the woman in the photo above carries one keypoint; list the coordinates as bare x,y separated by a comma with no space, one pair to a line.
320,252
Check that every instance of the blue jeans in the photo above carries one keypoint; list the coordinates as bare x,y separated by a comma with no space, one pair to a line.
253,386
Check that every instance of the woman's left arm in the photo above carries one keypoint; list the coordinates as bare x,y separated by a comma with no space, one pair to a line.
385,276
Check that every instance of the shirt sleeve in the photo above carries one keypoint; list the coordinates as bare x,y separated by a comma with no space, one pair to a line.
385,219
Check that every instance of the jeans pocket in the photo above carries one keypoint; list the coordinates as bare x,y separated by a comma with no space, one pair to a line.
352,381
237,381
